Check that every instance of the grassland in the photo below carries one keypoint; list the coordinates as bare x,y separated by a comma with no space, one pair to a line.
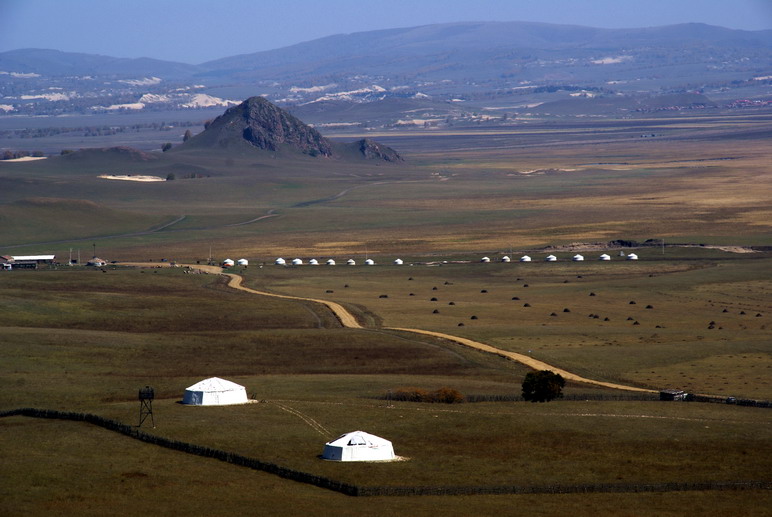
698,180
85,340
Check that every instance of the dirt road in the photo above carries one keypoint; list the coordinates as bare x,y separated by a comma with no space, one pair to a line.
349,321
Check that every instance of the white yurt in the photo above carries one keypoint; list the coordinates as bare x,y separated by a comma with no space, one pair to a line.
358,446
485,259
505,259
398,262
313,262
525,258
577,258
215,392
228,263
632,256
280,262
242,262
297,262
604,257
551,258
351,262
369,262
330,262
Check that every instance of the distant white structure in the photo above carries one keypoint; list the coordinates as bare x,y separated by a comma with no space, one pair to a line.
577,258
551,258
359,446
604,257
242,262
525,258
330,262
505,259
369,262
280,262
351,262
485,259
398,262
228,263
297,262
98,262
313,262
215,392
632,256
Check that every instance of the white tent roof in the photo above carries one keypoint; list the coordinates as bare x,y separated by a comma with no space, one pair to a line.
359,446
369,262
485,259
242,262
551,258
215,392
632,256
578,258
604,257
351,262
398,262
505,258
33,257
525,258
280,261
330,262
313,262
297,262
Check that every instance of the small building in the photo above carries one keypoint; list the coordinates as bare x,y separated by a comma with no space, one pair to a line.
506,259
351,262
551,258
330,262
672,394
242,262
398,262
577,258
632,256
26,261
369,262
485,260
525,258
604,257
96,262
297,262
359,446
313,262
228,263
280,262
215,392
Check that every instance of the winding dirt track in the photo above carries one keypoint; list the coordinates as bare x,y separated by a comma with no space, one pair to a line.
349,321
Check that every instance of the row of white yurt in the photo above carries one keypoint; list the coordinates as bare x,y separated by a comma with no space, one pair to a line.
553,258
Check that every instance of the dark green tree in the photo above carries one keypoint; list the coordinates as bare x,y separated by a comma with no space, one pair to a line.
166,146
187,135
543,386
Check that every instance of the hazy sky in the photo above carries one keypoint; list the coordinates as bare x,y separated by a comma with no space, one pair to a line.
194,31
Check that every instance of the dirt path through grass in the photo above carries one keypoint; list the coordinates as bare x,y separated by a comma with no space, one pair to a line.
349,321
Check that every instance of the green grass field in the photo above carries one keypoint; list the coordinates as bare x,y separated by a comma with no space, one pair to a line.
81,339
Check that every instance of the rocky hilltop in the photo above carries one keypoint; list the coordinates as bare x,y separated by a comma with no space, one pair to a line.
261,124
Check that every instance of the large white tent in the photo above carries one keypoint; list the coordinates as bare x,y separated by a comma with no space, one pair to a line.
358,446
215,392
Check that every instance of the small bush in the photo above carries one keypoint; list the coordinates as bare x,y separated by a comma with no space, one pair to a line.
443,395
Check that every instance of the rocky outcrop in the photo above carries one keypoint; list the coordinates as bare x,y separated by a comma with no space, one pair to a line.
372,150
266,126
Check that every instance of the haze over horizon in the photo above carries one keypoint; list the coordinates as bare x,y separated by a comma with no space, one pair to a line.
196,31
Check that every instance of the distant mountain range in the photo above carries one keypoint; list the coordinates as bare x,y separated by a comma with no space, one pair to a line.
458,62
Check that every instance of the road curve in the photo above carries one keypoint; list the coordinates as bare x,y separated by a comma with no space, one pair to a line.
349,321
